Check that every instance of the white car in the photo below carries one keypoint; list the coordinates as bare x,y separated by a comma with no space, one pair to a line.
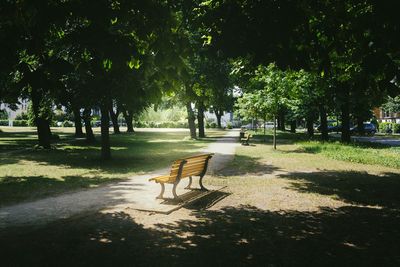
268,125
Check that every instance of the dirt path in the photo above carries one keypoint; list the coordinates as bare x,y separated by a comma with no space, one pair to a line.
135,190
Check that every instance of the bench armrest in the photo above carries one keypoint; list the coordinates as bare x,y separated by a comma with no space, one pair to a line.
158,179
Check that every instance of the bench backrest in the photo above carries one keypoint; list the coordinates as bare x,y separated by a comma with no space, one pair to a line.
191,166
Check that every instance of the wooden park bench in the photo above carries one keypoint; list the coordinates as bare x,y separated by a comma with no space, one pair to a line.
184,168
245,140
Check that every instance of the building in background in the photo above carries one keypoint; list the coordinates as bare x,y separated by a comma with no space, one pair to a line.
385,116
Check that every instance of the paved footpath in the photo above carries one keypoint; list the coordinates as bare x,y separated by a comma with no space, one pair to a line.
134,191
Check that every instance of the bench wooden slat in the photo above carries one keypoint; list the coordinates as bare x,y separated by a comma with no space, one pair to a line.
193,169
189,165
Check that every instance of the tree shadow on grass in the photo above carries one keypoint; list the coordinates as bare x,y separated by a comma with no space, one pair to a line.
245,165
359,188
233,236
16,189
131,153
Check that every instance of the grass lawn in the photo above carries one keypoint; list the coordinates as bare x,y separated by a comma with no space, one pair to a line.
33,174
360,152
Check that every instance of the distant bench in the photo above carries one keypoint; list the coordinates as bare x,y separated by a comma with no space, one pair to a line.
184,168
245,140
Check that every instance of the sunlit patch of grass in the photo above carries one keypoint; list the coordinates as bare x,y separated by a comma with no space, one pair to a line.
384,156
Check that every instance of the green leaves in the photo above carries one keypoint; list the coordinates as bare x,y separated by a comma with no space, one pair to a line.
206,39
134,63
107,64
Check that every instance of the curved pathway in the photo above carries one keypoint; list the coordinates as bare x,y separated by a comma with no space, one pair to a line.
134,191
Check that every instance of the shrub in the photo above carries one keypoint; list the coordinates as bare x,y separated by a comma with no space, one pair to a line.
164,124
67,124
385,126
3,115
3,122
229,125
61,115
396,127
20,123
22,117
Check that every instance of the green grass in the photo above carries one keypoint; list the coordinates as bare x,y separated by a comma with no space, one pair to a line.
360,152
307,175
33,174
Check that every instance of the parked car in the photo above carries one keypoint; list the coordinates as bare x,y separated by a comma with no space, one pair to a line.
268,125
332,127
98,124
369,129
250,126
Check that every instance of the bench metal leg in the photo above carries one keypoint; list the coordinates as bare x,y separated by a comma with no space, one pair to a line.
190,183
201,184
160,196
174,191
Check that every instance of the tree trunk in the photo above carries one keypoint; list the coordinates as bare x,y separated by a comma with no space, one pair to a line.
278,120
345,118
281,115
128,115
105,134
78,122
88,125
324,123
274,136
42,124
114,119
265,134
360,125
310,126
218,114
191,120
44,133
293,126
200,120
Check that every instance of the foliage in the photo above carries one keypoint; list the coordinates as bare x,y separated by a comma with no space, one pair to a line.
3,115
268,91
174,113
385,127
60,115
211,124
396,128
22,123
392,104
163,124
67,124
22,116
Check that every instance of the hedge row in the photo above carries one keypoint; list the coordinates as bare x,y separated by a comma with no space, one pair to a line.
16,123
387,126
165,124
